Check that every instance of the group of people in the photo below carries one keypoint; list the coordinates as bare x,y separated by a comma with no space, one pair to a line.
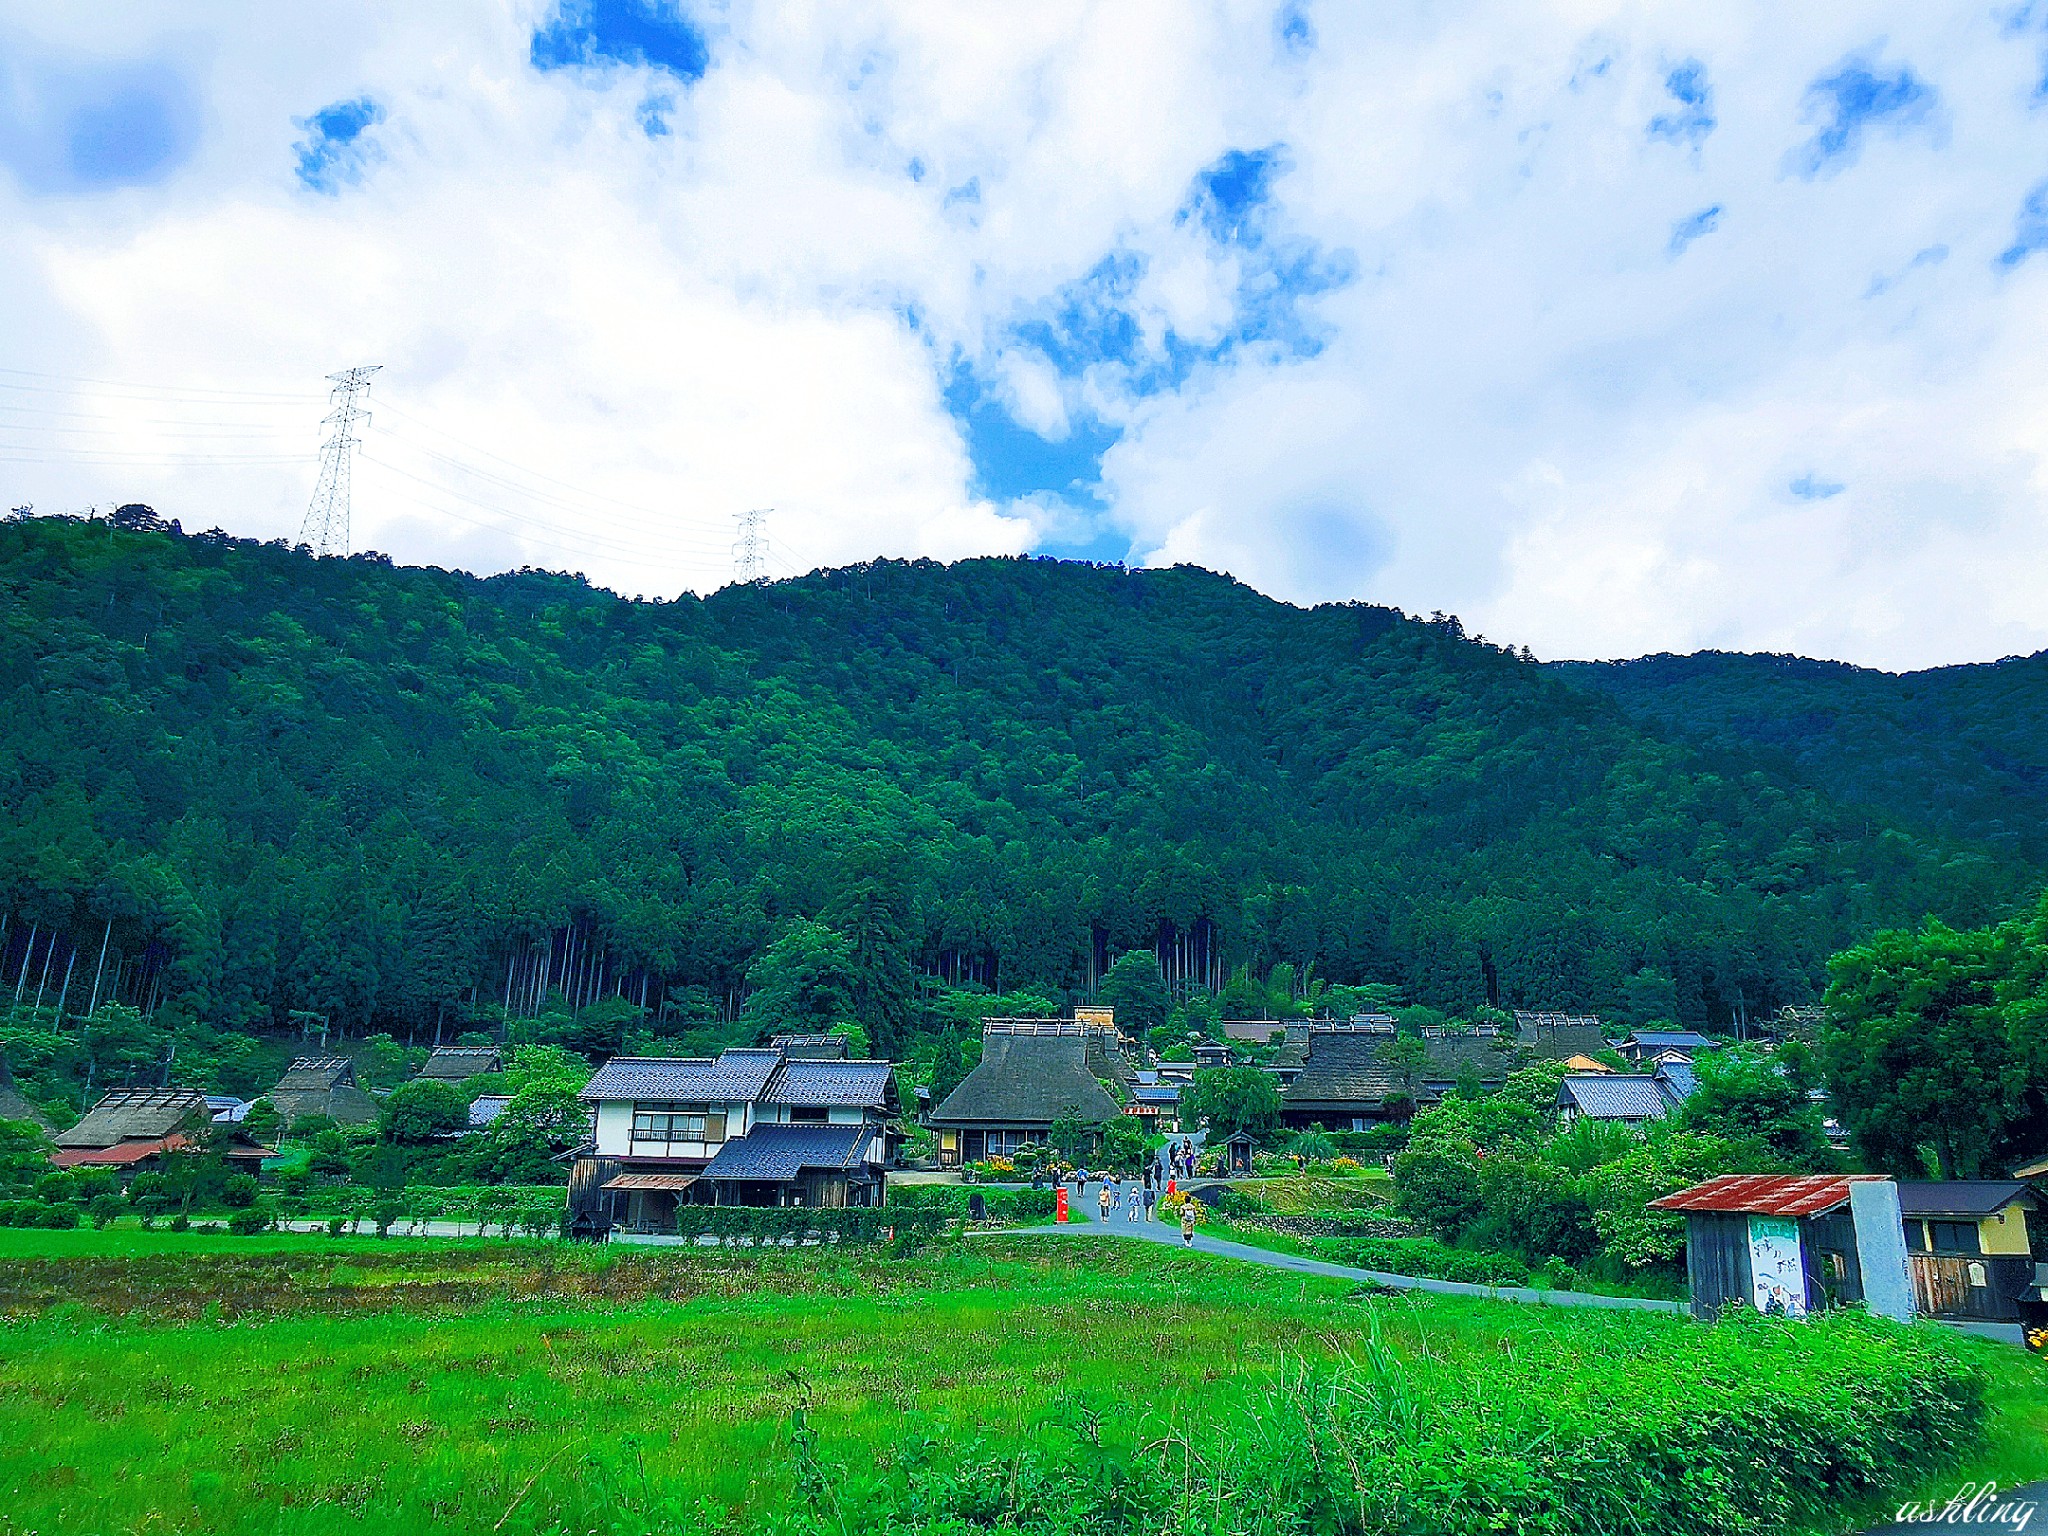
1143,1193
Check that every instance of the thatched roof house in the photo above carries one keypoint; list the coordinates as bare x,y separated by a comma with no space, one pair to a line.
133,1126
1350,1078
1032,1073
459,1063
322,1085
810,1047
13,1106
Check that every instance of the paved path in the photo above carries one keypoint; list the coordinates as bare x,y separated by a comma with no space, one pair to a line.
1087,1225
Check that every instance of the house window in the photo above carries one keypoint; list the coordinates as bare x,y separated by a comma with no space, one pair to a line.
809,1114
1953,1237
665,1123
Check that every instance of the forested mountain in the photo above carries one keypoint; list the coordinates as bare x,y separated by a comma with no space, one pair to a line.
401,797
1960,749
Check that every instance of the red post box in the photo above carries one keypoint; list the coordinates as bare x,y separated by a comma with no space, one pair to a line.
1060,1203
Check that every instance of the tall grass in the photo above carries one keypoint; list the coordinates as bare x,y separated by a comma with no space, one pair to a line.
295,1387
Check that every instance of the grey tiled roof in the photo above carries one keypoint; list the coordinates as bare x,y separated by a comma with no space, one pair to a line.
1959,1197
1613,1096
486,1108
784,1151
1028,1080
864,1084
731,1078
1671,1039
1677,1079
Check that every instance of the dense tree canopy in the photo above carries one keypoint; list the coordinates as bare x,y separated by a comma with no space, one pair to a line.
241,788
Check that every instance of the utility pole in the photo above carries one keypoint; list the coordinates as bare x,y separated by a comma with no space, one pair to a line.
327,515
750,551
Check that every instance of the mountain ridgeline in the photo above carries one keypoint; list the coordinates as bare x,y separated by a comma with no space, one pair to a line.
239,783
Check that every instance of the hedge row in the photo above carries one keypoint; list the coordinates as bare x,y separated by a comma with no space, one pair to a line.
751,1226
1024,1206
1425,1257
38,1213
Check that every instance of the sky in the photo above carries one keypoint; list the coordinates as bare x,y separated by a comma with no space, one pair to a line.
1612,328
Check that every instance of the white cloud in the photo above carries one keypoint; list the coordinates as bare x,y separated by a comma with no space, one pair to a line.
1526,409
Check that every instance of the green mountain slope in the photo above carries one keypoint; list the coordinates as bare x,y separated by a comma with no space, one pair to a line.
1960,749
394,796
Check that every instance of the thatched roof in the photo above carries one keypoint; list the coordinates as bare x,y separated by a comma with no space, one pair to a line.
12,1105
137,1114
1028,1080
1345,1066
811,1047
322,1085
459,1063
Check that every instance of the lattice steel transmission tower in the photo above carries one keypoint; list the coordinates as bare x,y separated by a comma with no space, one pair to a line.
327,514
750,551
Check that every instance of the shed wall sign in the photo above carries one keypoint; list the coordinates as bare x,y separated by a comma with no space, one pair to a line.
1777,1280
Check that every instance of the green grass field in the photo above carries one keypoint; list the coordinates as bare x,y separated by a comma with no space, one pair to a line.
312,1384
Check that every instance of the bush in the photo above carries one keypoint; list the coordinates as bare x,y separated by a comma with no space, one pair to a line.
240,1191
1426,1258
58,1218
1749,1425
250,1220
336,1225
181,1222
56,1187
104,1210
746,1226
1024,1207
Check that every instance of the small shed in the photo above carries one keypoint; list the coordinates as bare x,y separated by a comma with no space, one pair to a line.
1237,1153
1791,1244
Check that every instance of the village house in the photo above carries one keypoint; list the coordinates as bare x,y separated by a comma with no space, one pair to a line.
1972,1249
1253,1031
1032,1073
457,1064
1558,1036
751,1127
1351,1078
321,1085
13,1106
1621,1098
1647,1046
133,1128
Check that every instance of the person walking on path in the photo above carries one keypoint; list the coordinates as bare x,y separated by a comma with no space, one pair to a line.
1132,1214
1149,1196
1187,1223
1102,1199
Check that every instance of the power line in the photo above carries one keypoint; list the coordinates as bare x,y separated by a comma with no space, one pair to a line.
54,383
327,515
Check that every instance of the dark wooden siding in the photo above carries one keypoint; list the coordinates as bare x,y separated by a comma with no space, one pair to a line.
1716,1260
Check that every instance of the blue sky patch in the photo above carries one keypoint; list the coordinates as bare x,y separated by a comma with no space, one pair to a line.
1811,487
1229,196
1859,96
2029,229
1691,227
333,155
593,34
94,130
1691,117
1011,460
1291,25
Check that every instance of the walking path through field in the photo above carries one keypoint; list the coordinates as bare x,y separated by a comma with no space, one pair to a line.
1084,1223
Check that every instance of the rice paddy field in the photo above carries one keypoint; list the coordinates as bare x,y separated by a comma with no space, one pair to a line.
152,1382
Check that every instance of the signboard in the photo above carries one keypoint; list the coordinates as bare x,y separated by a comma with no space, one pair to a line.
1777,1282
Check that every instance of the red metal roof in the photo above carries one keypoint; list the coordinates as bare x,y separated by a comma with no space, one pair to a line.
1762,1194
120,1155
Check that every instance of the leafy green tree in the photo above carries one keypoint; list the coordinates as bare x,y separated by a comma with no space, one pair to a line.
803,984
1918,1052
24,1156
856,1038
1133,987
543,1119
1232,1099
383,1062
263,1123
875,922
422,1111
1745,1094
1123,1142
